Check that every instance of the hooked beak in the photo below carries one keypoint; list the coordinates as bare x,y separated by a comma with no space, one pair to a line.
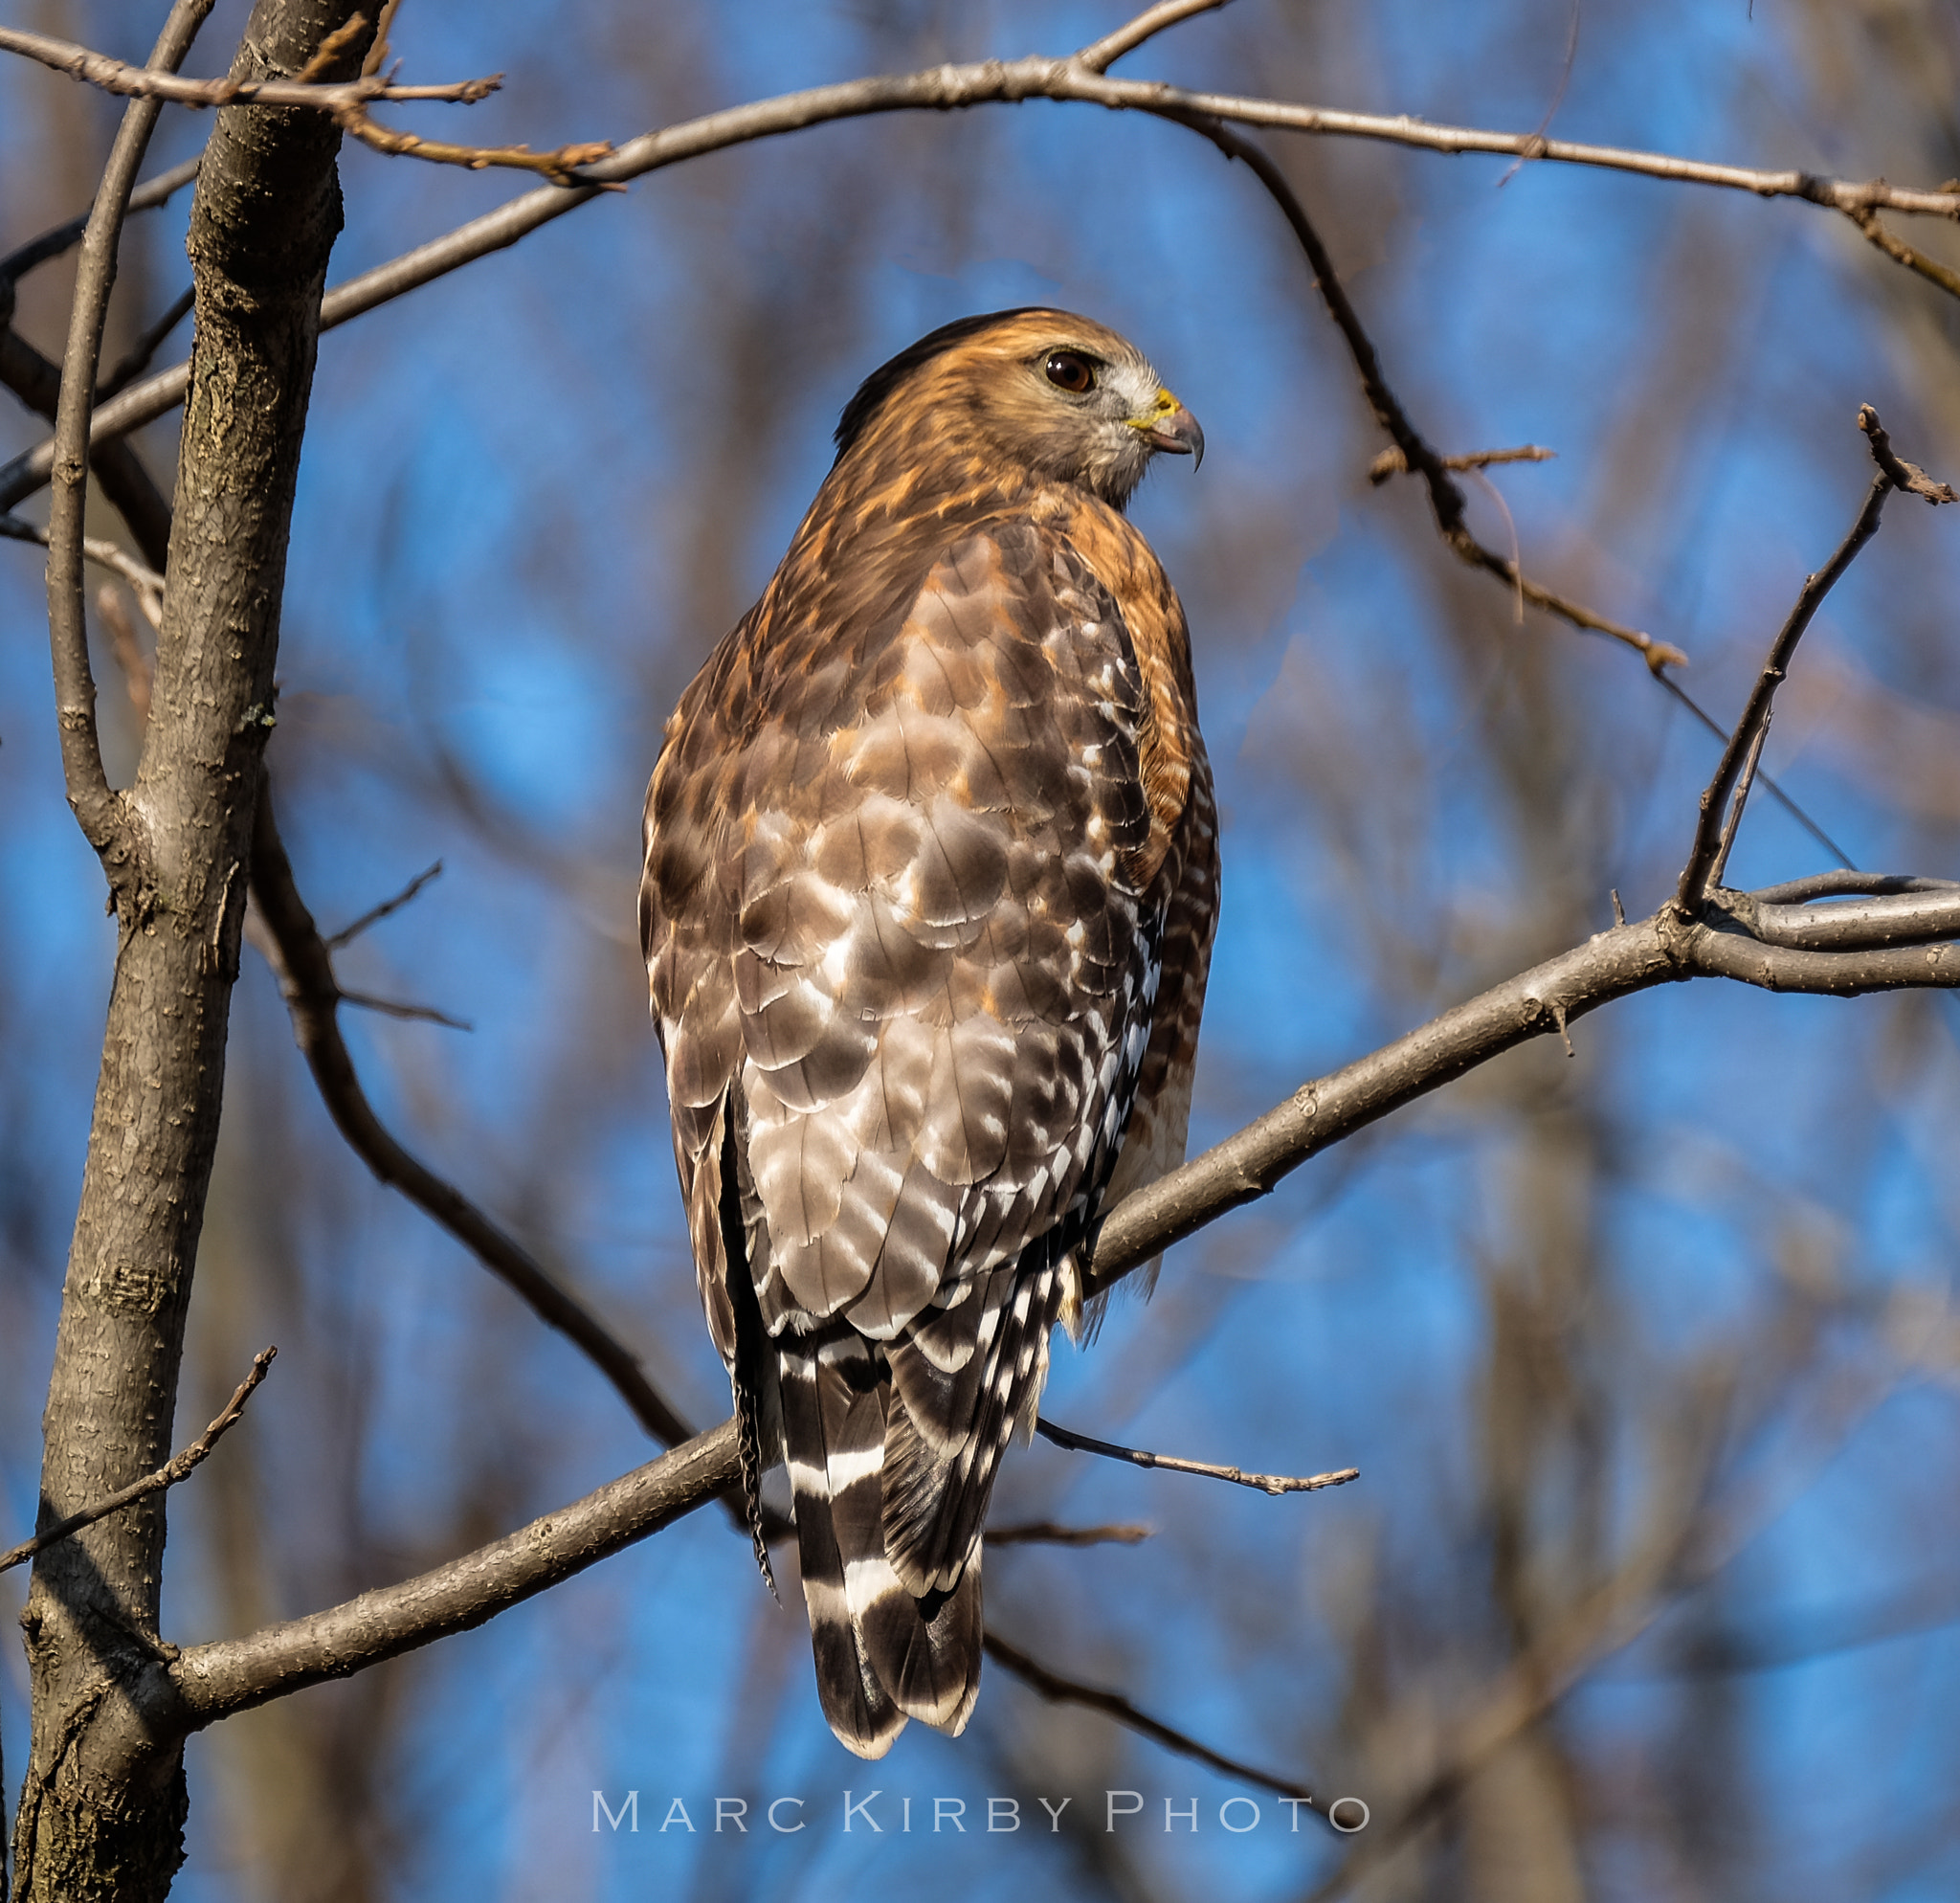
1171,426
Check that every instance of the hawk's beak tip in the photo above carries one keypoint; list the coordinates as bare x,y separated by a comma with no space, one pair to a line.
1180,435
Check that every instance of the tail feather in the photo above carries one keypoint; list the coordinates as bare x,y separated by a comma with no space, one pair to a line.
832,1418
892,1460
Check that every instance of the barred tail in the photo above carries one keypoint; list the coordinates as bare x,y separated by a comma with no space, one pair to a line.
892,1451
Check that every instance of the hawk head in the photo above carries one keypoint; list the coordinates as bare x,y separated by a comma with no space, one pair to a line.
1055,396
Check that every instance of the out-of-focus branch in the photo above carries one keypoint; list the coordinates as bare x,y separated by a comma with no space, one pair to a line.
168,1475
117,467
374,914
299,956
136,359
1047,1532
953,88
1060,1690
64,237
145,581
1661,1559
1263,1483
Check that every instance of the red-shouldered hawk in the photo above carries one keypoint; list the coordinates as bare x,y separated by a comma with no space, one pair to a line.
931,878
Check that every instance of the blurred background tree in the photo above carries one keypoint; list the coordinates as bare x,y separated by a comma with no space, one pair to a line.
1647,1354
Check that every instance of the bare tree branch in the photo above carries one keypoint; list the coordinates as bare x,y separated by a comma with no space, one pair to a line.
1771,785
136,359
1060,1690
212,1681
115,463
114,75
1907,476
1263,1483
1714,822
1408,445
395,1007
1663,949
346,102
262,226
952,88
168,1475
1900,252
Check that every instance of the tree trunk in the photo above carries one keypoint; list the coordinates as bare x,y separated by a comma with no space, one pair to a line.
103,1804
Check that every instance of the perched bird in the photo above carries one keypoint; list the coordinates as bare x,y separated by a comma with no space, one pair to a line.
930,882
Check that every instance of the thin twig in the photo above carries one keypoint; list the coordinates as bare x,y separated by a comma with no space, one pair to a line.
1771,785
1100,54
146,83
116,465
145,581
1060,1690
1700,869
1907,476
1564,78
1393,462
1048,1533
346,101
1900,253
1263,1483
347,934
1736,807
394,1007
168,1475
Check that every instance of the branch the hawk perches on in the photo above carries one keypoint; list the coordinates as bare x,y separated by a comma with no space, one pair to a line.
931,880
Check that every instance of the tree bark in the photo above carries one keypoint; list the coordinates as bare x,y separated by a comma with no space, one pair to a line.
103,1804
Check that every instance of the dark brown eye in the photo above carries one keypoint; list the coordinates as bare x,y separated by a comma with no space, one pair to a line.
1070,373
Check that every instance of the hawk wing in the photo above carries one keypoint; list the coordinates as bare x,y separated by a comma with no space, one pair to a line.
905,910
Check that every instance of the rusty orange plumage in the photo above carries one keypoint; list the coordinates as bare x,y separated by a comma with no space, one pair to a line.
930,885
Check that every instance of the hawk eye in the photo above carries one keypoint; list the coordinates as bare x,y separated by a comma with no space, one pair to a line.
1068,371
